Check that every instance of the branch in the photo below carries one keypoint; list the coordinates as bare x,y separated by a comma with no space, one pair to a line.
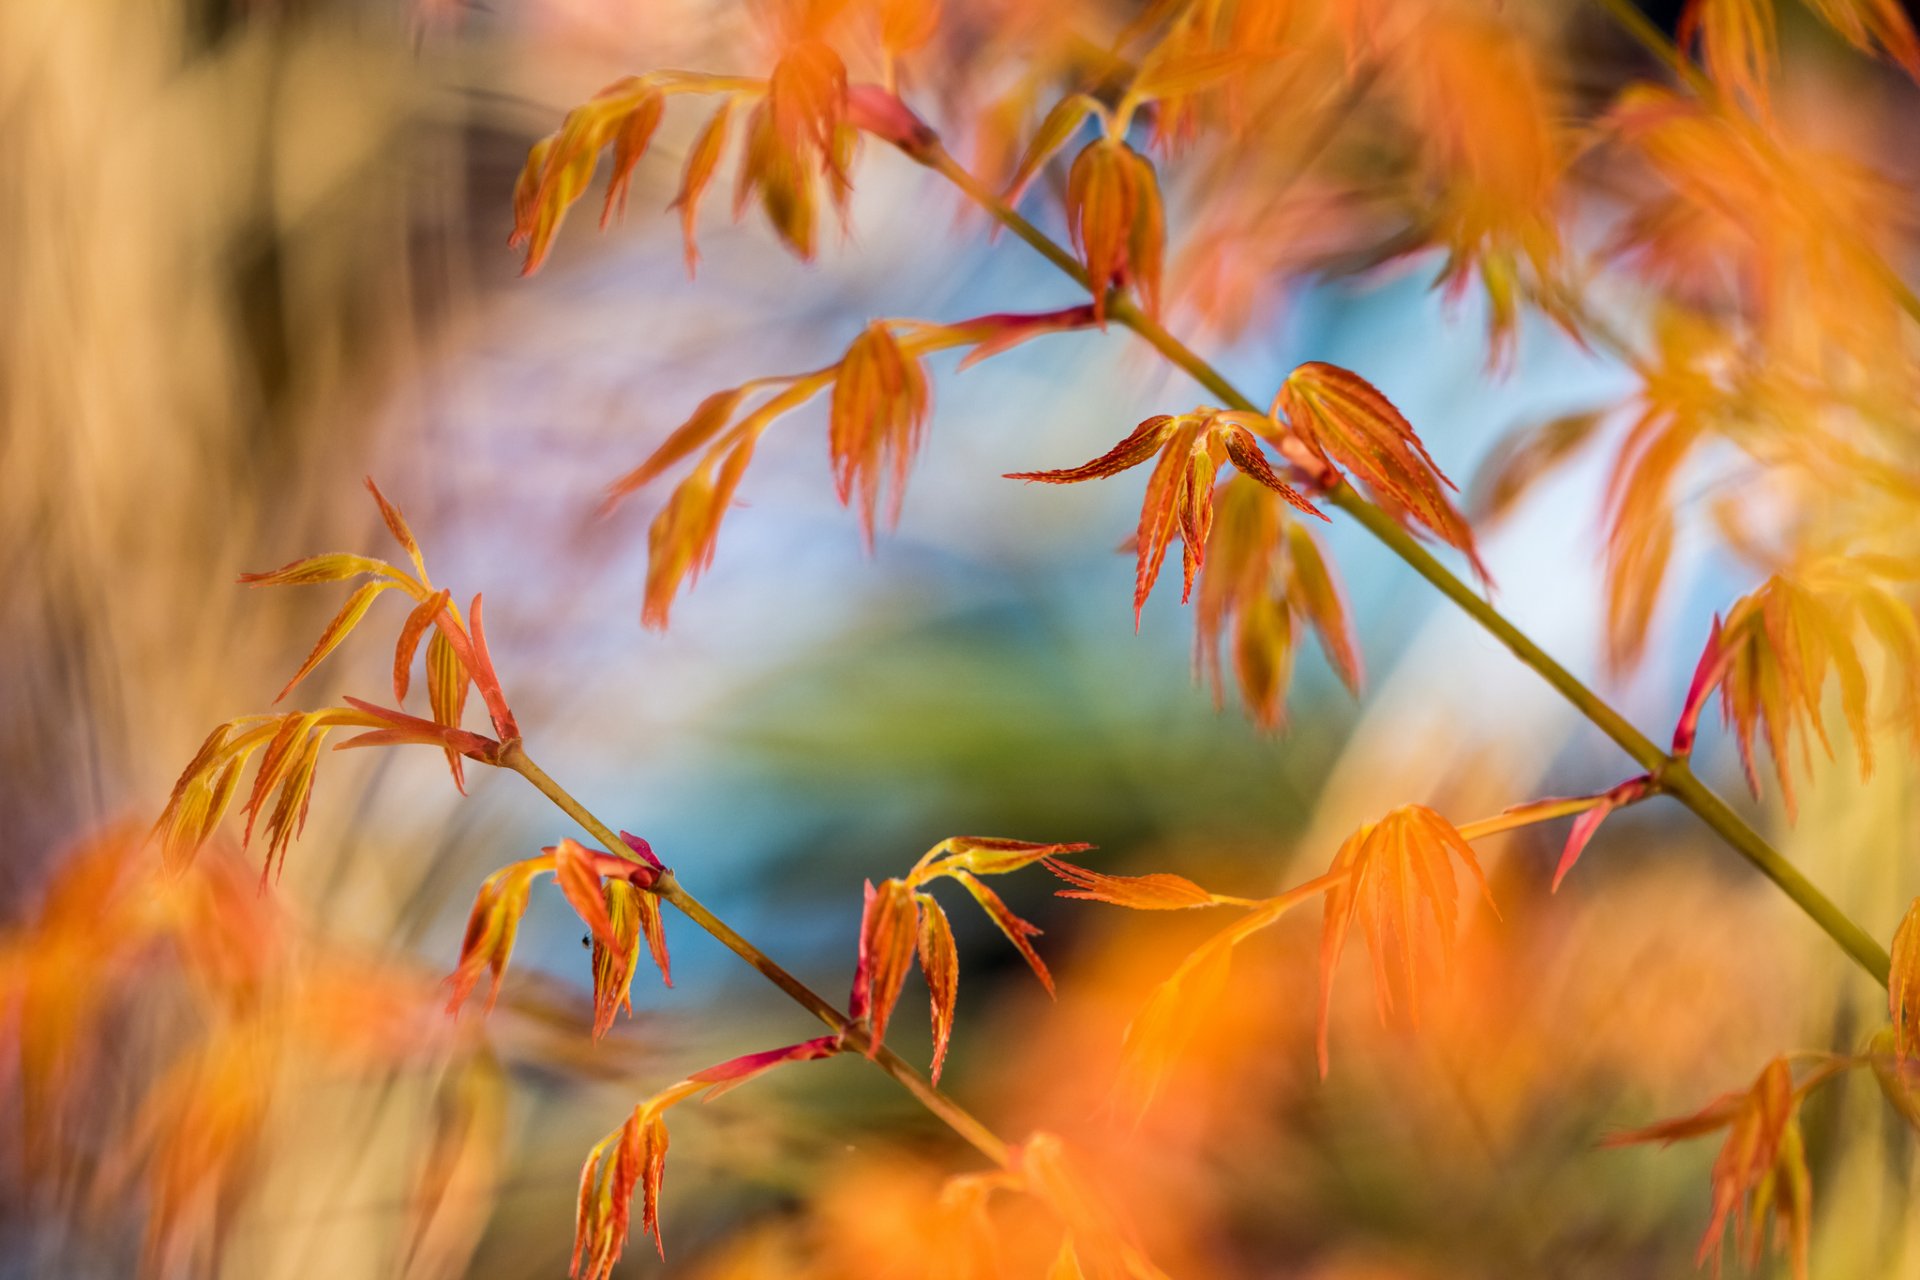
1671,774
514,757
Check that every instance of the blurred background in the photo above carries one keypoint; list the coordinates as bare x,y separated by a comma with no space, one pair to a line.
257,251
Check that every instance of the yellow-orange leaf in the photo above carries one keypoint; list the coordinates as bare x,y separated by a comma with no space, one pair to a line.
634,1155
708,419
447,685
491,928
560,166
1399,886
1057,128
333,566
681,540
1264,575
616,957
339,629
988,855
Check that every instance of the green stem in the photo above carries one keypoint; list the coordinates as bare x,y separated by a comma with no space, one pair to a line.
1670,774
669,889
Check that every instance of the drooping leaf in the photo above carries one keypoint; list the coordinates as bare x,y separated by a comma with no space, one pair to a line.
336,631
1399,886
889,932
1018,931
940,962
703,157
491,928
878,417
1760,1177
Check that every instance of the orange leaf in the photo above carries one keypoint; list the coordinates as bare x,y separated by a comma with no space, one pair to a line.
703,157
1400,887
881,400
1343,420
889,927
560,166
940,962
617,956
630,139
1116,219
1016,929
416,626
1179,493
1864,23
398,527
579,880
1738,41
634,1155
707,421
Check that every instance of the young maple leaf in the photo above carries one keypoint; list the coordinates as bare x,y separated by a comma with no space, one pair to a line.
1179,498
502,900
635,1156
1761,1172
1781,643
1344,421
881,399
1117,221
901,922
624,116
1399,885
1266,576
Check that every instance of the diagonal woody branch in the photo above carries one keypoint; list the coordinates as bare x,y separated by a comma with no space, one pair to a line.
1670,774
513,756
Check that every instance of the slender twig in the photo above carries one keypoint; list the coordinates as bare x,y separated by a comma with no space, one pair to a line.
669,889
1670,775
